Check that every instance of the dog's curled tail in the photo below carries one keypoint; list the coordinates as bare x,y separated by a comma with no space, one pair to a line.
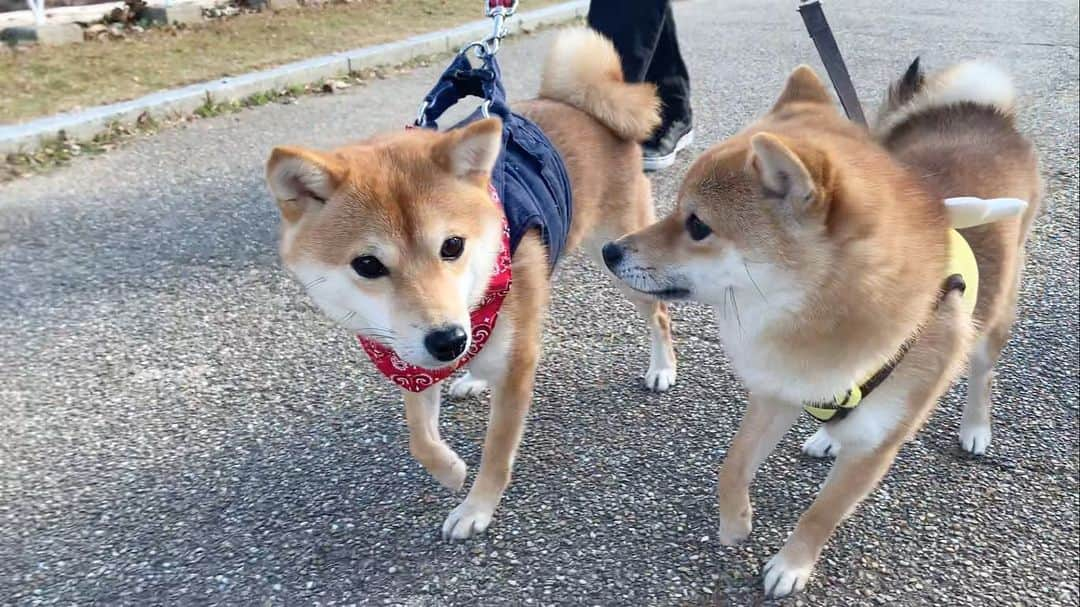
974,82
583,70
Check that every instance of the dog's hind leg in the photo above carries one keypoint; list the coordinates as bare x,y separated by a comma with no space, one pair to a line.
661,374
425,443
821,445
975,432
662,371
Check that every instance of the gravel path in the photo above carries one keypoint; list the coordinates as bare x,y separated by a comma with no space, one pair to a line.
179,426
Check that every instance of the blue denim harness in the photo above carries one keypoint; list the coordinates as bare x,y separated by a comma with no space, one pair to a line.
529,175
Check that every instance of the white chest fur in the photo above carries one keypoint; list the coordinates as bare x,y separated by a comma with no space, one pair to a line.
768,368
491,362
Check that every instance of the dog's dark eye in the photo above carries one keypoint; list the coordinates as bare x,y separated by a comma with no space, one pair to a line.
697,228
369,267
452,248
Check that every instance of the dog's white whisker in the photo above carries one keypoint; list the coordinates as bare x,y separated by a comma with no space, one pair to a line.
314,283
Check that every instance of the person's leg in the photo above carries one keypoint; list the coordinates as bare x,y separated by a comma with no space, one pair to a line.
633,27
668,71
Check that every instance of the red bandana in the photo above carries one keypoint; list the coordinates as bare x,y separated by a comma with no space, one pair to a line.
417,379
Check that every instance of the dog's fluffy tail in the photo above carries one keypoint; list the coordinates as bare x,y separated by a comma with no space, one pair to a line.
974,82
583,70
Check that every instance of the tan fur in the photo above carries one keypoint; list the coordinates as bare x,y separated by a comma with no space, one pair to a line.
962,148
803,86
973,82
932,366
397,196
847,239
889,221
581,55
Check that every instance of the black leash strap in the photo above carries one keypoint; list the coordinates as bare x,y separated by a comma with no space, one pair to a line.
814,19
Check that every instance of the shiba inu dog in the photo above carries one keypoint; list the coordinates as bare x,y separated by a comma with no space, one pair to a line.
395,238
827,252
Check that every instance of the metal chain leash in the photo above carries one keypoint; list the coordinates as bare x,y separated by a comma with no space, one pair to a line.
498,11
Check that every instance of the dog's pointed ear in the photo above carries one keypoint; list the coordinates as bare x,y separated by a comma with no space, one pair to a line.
471,151
297,176
803,85
785,175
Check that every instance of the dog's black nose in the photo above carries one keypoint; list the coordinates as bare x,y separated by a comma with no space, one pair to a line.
447,343
613,254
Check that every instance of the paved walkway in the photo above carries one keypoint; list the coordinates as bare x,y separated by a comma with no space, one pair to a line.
177,425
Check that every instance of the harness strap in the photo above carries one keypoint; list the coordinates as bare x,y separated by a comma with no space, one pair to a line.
838,409
820,32
461,80
529,175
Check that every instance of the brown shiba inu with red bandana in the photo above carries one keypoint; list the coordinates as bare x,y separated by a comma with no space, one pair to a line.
398,239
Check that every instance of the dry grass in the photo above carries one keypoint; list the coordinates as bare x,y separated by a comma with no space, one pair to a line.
43,81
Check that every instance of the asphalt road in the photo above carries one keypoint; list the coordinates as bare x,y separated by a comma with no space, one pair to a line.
179,426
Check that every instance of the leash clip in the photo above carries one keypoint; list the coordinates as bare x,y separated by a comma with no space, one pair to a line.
498,11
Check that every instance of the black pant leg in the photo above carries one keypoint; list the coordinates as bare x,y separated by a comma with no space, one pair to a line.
668,71
634,27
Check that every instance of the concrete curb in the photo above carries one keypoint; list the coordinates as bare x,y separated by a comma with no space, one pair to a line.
84,13
84,124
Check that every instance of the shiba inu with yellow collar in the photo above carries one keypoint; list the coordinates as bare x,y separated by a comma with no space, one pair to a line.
398,240
828,254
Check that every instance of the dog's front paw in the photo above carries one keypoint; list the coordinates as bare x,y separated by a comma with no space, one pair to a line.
736,519
467,520
659,379
820,444
734,530
466,386
451,474
441,462
783,577
975,438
